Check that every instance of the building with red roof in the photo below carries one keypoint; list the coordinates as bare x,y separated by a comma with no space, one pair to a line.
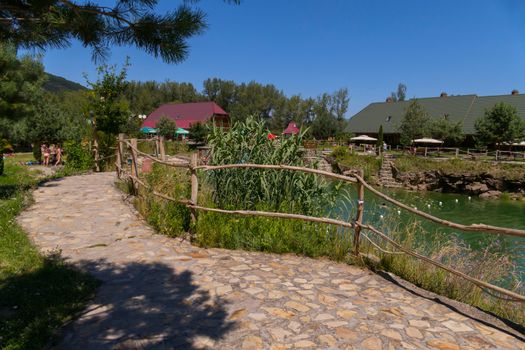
291,129
187,114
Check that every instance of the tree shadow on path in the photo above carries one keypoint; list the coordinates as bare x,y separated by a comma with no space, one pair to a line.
146,306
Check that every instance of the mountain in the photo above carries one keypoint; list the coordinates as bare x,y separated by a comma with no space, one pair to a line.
55,83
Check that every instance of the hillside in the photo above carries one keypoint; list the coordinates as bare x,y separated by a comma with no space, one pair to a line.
55,83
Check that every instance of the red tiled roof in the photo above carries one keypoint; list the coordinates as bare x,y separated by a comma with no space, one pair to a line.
291,129
184,114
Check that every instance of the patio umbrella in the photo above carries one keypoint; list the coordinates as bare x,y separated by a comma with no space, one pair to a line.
181,131
363,138
148,130
428,141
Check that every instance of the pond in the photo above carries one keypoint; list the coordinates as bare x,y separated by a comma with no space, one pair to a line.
457,208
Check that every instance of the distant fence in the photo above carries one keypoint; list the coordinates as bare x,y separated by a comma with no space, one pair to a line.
193,166
469,153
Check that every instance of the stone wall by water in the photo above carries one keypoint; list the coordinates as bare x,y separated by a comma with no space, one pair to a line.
483,185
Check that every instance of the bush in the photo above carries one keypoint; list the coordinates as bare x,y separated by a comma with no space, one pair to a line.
340,152
78,157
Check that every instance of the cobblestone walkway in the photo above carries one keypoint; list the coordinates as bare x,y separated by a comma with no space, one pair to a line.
161,293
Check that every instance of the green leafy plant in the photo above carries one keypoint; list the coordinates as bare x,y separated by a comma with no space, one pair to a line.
248,142
166,127
78,157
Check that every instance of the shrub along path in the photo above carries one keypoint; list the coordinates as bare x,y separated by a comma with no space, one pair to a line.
160,292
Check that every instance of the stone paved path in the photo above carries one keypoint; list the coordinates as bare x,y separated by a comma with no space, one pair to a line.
162,293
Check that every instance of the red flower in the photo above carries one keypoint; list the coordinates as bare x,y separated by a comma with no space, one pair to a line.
271,136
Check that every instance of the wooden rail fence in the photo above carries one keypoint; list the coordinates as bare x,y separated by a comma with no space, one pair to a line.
357,224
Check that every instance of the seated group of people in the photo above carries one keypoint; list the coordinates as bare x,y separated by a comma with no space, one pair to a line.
52,154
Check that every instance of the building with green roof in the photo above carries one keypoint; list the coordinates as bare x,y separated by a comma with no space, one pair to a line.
464,108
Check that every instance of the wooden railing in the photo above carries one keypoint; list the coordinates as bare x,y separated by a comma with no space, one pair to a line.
357,224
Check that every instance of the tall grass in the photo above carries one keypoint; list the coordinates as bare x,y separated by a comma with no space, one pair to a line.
492,263
247,142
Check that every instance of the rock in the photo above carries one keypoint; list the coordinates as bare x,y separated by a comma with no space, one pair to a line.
372,343
327,339
390,333
346,333
442,345
476,188
279,334
304,344
252,342
490,195
297,306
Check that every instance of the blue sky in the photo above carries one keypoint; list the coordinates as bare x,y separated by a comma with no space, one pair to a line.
309,47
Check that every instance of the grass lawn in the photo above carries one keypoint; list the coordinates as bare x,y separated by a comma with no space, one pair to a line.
37,293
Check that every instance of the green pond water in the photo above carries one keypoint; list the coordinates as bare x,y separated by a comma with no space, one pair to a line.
458,208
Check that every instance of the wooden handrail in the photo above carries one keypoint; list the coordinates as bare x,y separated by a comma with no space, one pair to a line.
466,228
357,224
277,167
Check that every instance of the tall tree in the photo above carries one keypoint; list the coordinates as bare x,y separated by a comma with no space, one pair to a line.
21,82
414,123
166,127
108,111
500,124
400,94
380,142
55,23
449,132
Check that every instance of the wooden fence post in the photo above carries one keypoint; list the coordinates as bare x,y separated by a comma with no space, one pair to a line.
457,152
360,209
120,154
161,148
497,155
194,185
134,165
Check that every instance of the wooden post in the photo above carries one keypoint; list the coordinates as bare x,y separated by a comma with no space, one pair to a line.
134,165
457,152
161,148
120,153
359,216
497,154
96,154
194,185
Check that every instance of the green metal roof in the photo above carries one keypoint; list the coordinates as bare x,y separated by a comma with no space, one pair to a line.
464,108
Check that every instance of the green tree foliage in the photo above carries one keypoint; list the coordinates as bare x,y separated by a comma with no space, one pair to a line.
325,115
380,142
400,94
100,25
198,132
500,124
21,82
144,97
108,110
414,123
446,130
166,127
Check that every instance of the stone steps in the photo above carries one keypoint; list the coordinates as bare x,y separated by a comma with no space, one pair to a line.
386,178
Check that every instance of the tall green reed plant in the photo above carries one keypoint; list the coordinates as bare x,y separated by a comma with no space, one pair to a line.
248,142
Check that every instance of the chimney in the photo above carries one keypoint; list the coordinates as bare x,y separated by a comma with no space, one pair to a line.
443,94
389,100
514,92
